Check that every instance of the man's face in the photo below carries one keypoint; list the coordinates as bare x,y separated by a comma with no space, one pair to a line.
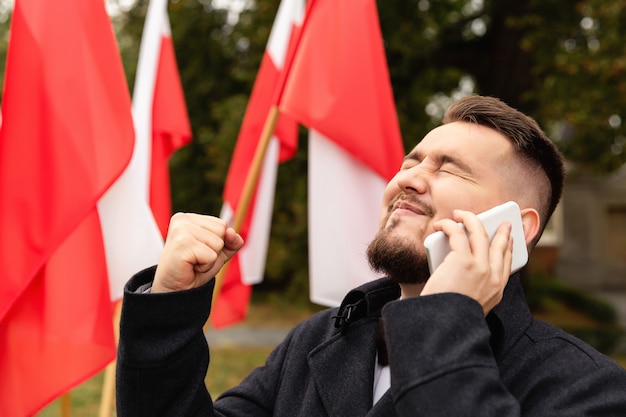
456,166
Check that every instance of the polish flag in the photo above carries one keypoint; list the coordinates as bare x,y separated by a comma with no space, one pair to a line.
171,129
248,265
66,136
135,211
339,87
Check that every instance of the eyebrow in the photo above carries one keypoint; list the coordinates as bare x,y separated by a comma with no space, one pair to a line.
412,155
445,159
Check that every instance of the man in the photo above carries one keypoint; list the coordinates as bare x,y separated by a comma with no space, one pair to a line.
459,342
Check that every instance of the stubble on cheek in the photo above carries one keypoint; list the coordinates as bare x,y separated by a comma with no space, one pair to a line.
391,223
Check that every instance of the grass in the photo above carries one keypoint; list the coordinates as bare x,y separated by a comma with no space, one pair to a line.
230,365
85,400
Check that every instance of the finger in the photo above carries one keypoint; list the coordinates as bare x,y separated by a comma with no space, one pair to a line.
203,258
221,249
477,235
197,238
232,242
508,258
210,224
457,238
208,230
501,250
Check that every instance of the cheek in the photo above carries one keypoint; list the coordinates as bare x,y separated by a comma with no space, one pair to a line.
384,215
447,196
390,193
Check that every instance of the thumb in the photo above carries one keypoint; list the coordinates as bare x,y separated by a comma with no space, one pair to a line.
232,243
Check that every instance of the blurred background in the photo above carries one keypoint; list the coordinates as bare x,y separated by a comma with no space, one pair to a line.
561,61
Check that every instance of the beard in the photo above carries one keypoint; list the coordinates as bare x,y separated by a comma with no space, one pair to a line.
397,258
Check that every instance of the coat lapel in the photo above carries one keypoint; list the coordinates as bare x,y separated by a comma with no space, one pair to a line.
345,386
384,407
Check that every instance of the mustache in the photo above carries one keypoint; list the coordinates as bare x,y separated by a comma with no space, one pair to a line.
413,201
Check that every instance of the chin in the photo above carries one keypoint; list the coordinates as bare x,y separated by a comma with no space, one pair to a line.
398,257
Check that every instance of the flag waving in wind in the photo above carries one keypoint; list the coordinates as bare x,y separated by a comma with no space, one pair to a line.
334,80
66,136
339,87
169,118
136,210
248,265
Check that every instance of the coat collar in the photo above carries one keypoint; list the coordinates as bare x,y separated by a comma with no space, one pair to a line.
346,388
509,319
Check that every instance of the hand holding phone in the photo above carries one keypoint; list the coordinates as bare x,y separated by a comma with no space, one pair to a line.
437,246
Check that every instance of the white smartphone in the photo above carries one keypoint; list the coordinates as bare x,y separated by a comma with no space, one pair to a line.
437,246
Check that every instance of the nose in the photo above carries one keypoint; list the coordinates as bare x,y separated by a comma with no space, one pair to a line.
413,180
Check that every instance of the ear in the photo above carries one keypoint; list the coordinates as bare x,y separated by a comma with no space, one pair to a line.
531,223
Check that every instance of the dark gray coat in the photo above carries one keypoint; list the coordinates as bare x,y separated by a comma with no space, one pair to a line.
445,359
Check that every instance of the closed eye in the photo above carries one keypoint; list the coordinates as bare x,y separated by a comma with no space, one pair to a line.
454,166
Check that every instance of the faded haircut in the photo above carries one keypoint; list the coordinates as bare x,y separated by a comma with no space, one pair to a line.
530,142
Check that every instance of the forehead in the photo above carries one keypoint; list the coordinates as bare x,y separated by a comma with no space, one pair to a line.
466,141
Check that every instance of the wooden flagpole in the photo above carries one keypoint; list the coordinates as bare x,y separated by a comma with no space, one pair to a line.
108,385
249,187
66,405
259,154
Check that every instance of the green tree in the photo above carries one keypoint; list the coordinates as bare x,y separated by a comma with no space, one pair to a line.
560,61
218,62
578,72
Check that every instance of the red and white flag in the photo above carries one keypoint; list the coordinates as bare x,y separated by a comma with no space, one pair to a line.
248,266
339,87
66,136
171,129
135,211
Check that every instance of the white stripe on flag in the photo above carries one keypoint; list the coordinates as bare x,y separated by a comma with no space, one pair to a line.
253,255
289,13
344,210
131,236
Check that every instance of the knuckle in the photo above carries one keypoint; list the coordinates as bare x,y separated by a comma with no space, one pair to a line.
221,223
178,216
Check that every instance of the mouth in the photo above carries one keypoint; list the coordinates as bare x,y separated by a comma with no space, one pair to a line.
410,204
403,205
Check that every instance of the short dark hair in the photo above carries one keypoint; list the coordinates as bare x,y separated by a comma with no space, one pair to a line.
529,140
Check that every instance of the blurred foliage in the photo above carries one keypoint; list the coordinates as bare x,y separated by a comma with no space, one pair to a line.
560,61
575,311
541,291
579,68
218,62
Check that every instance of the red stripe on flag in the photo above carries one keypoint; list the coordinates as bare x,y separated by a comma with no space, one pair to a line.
170,131
339,87
339,84
232,303
66,135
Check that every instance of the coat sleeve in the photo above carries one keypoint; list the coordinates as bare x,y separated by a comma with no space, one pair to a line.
442,365
163,356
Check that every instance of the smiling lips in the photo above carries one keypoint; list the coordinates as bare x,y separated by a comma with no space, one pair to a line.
403,205
408,203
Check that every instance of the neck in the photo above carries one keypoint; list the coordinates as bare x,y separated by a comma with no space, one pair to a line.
411,290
